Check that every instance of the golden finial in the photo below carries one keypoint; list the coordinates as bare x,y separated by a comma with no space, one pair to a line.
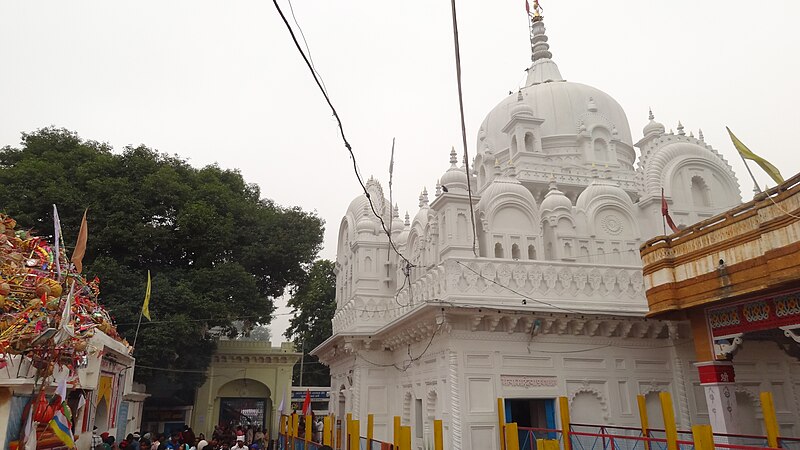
537,9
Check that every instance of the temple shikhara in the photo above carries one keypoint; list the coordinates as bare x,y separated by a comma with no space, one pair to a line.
534,288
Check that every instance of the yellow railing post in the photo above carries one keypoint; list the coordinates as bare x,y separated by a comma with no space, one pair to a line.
370,426
295,425
670,429
309,429
549,444
326,431
540,444
438,441
512,436
396,435
563,411
703,437
501,422
405,438
770,421
282,425
642,401
348,430
355,435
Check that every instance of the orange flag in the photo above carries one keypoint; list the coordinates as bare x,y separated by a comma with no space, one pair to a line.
80,246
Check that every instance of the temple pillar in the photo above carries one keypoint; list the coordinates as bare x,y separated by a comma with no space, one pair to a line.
717,379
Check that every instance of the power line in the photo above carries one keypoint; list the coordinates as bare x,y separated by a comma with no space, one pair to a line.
308,49
341,131
464,128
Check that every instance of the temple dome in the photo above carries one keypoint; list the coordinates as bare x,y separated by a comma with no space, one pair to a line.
603,191
456,177
555,199
653,126
502,186
562,105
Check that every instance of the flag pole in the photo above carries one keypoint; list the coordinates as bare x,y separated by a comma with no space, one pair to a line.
755,183
663,217
136,336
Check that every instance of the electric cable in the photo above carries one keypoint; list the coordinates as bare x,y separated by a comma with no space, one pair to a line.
341,131
516,292
463,127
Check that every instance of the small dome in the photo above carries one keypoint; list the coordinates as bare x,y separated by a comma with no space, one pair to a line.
504,185
456,177
367,223
555,199
601,189
653,127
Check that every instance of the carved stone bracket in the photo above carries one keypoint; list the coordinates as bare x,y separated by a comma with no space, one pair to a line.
789,331
724,348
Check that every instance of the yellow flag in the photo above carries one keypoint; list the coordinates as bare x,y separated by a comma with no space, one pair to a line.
146,305
771,170
80,246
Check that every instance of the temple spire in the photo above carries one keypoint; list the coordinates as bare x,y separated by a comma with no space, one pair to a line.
543,69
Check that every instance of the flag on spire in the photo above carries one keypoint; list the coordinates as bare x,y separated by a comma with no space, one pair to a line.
528,7
746,153
665,213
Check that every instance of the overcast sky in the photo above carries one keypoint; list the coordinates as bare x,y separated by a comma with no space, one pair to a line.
222,82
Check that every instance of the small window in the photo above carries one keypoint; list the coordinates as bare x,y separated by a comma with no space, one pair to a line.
513,145
498,250
529,142
531,252
515,251
567,250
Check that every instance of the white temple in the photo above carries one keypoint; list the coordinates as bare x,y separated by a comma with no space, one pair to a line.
552,301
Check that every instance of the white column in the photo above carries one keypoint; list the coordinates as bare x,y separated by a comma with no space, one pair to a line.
717,379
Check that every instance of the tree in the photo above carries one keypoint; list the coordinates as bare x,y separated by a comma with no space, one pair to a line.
217,251
313,304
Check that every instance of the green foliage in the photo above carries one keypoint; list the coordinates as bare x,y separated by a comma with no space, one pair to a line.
216,250
313,304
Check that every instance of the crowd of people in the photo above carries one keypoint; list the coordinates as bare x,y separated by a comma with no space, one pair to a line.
223,438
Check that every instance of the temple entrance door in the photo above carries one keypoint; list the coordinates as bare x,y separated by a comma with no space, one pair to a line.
247,412
531,413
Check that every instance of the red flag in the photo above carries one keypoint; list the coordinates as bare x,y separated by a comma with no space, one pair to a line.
527,7
665,213
307,404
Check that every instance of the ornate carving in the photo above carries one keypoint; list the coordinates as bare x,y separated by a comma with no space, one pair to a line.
455,403
612,224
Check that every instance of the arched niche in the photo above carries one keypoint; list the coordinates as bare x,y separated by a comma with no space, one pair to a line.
600,147
588,407
511,218
498,250
529,143
701,195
